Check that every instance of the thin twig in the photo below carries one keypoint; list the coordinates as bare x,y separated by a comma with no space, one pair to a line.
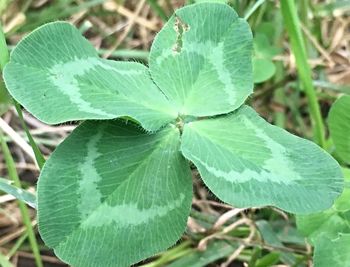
213,203
8,238
203,243
225,217
129,26
266,246
320,49
239,250
111,6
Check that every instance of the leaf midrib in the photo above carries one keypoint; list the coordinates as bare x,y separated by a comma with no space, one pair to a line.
154,150
123,96
221,40
218,144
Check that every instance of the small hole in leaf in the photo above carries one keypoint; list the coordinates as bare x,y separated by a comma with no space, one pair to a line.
180,27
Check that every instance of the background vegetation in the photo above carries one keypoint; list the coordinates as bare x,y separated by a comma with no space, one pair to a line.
288,93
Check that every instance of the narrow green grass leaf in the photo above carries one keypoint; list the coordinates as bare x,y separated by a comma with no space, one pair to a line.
270,238
23,195
19,242
249,163
112,195
158,9
4,262
11,167
201,60
290,17
215,251
270,259
39,157
339,126
256,5
345,89
57,76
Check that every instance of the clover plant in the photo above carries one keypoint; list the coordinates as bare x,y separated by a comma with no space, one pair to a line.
329,231
339,127
117,191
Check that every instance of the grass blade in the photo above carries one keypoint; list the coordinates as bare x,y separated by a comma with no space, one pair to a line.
253,9
158,9
38,155
4,262
4,57
23,195
17,245
23,208
298,47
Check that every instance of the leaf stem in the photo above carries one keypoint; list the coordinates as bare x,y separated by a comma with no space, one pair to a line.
38,155
23,208
292,24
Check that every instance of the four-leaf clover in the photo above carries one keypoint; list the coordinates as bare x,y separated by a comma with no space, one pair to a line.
114,193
